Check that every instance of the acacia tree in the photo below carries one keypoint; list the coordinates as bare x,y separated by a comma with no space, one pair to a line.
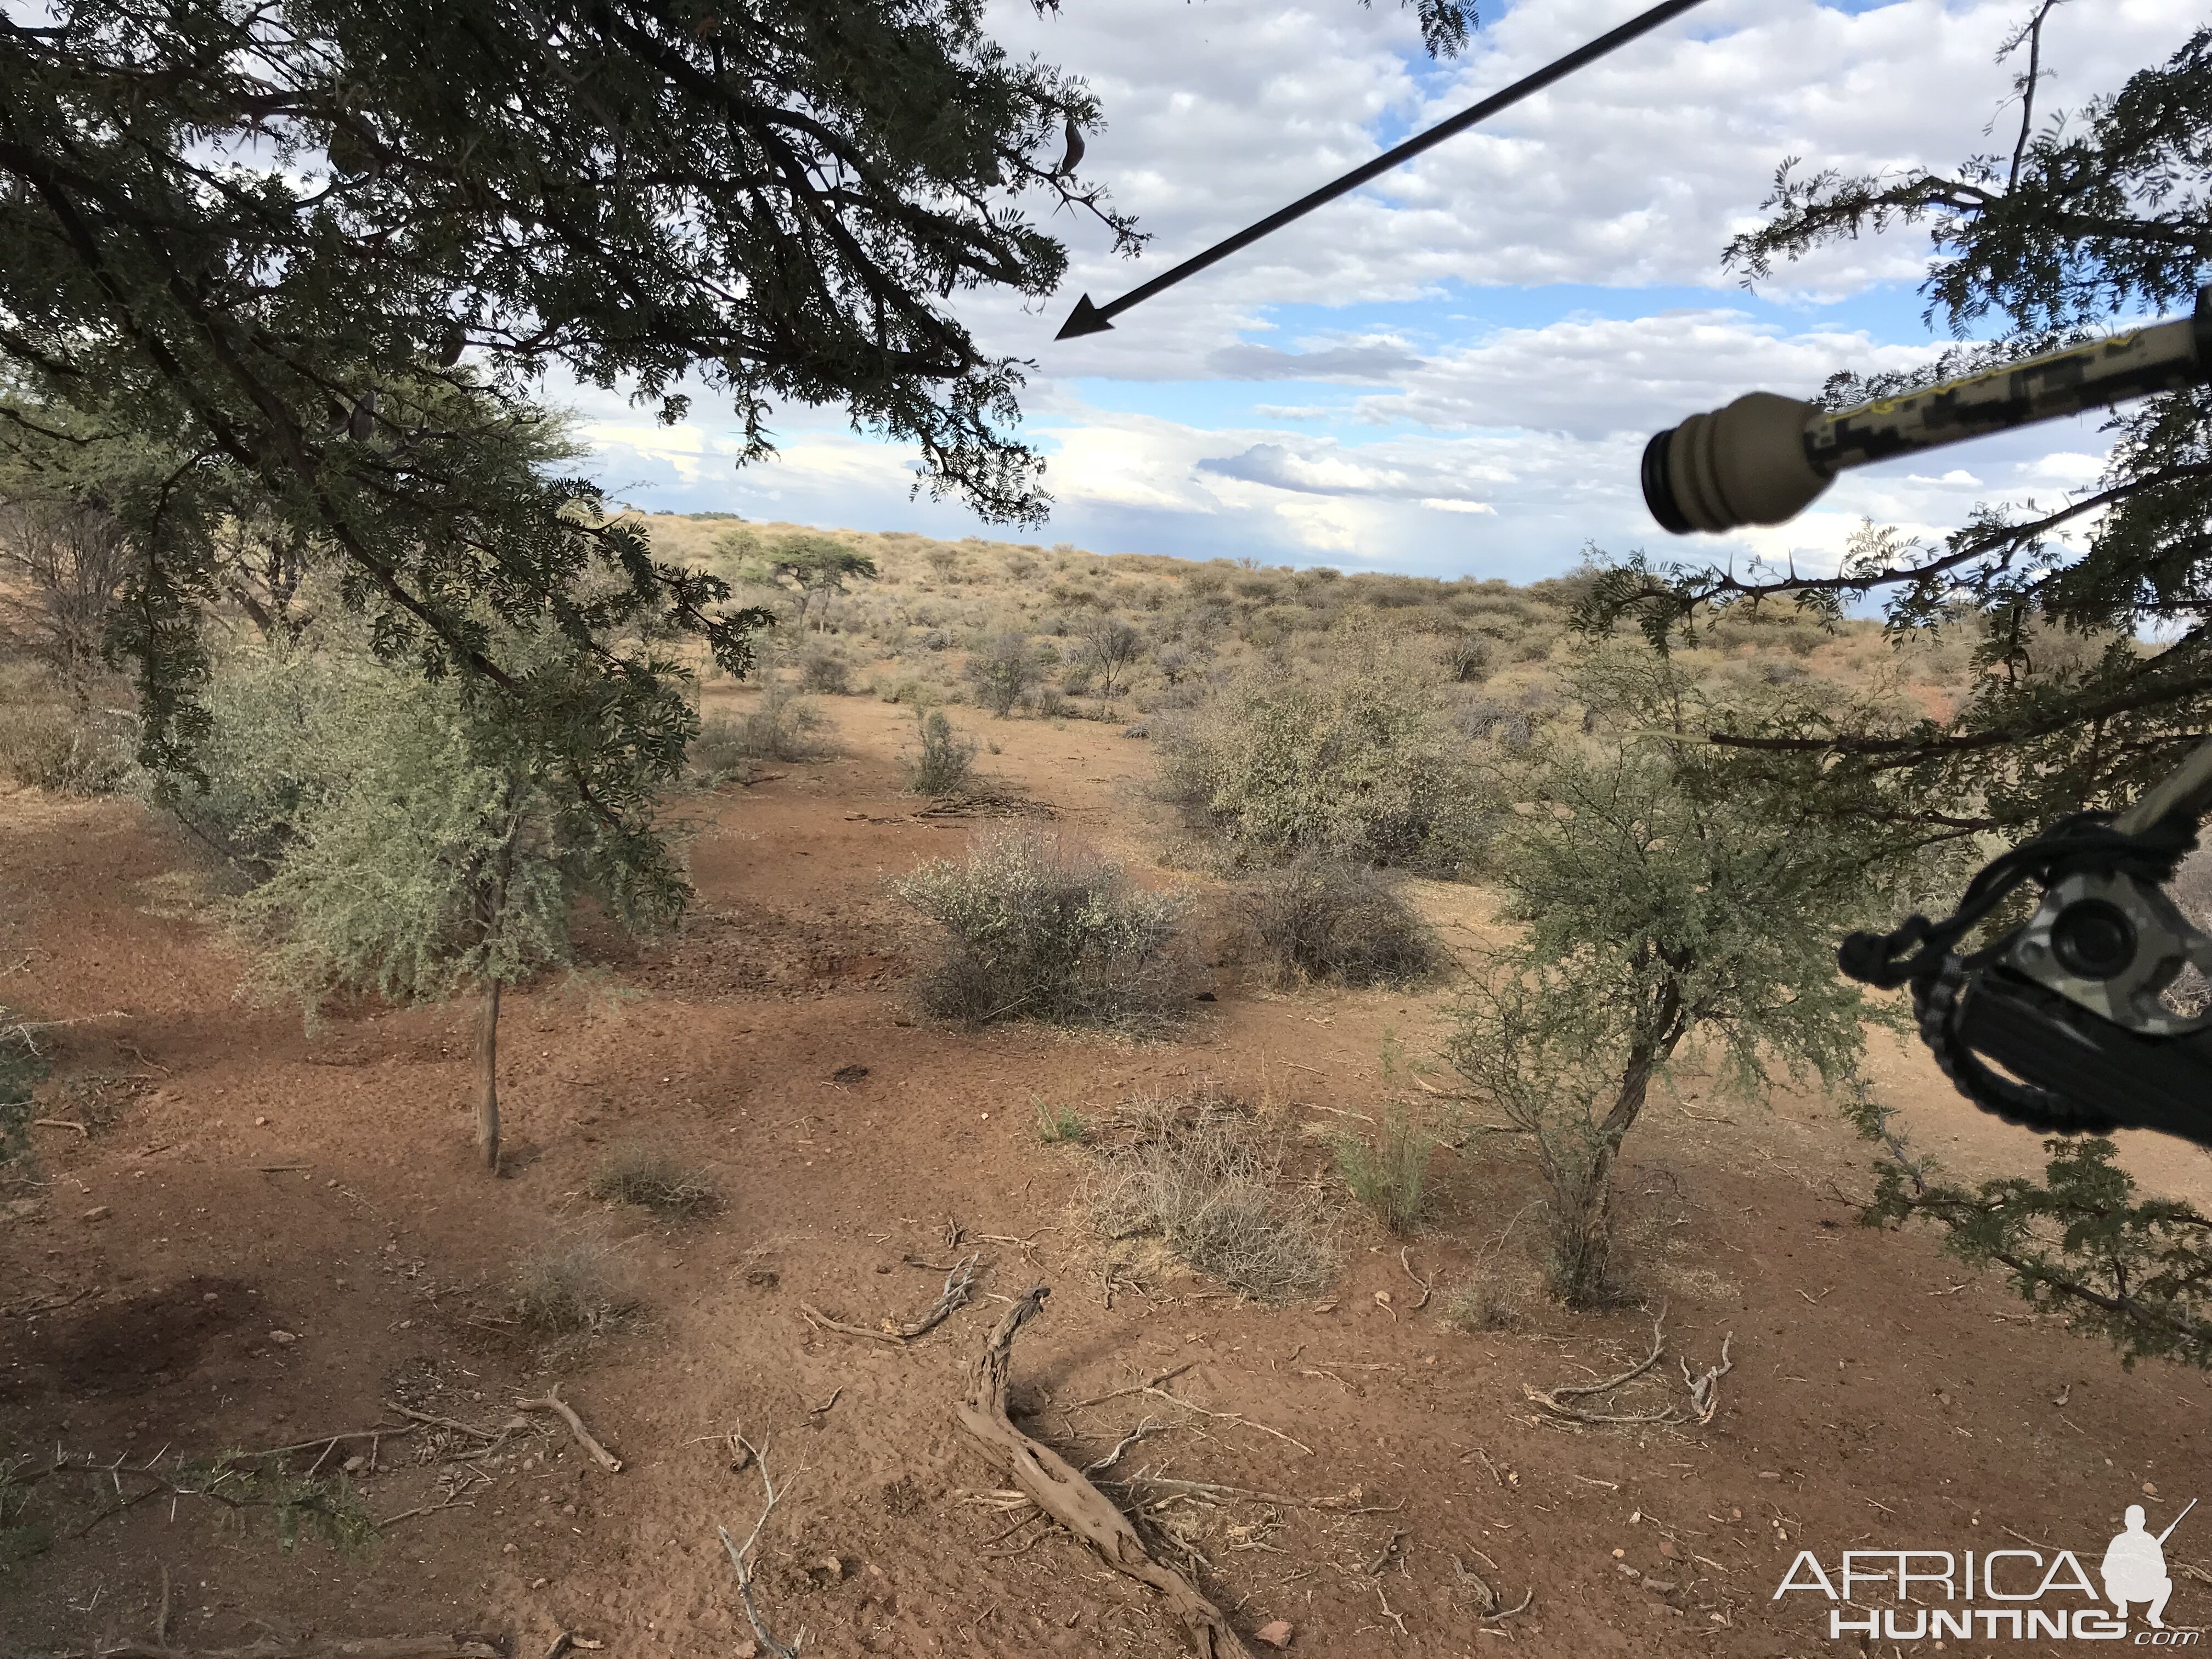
407,841
818,567
1111,647
1003,668
1662,893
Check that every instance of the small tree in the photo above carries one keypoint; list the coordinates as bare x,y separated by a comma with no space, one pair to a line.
1111,647
1002,669
412,847
1662,892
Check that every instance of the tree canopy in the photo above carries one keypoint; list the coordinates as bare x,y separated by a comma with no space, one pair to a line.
2086,218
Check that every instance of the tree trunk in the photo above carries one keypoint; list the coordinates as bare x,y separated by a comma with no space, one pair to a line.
1584,1237
488,1078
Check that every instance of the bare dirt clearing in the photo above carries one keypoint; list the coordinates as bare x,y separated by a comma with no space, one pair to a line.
264,1239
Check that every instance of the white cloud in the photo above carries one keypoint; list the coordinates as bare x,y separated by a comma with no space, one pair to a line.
1459,444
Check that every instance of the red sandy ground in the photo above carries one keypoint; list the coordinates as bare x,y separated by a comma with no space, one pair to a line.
1877,1399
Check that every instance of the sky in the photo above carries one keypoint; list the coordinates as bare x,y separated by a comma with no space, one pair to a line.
1453,371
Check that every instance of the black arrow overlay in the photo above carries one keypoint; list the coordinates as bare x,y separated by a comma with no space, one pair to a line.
1089,318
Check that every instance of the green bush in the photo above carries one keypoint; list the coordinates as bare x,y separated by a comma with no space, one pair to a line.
1351,756
1320,918
1059,1125
946,761
1388,1175
1040,929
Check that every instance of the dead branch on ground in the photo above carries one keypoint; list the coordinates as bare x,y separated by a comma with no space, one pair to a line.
741,1558
551,1401
1134,1388
1055,1487
1489,1606
1143,1431
1214,1492
1705,1391
397,1647
1428,1286
959,1287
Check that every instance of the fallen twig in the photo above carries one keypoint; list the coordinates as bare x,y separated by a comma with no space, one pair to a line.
33,1309
1055,1487
1225,1417
1705,1391
1704,1399
1143,1431
551,1401
385,1647
453,1502
959,1287
1215,1491
1428,1286
1134,1388
61,1123
741,1558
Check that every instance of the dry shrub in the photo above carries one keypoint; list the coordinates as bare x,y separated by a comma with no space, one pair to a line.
652,1181
46,742
571,1287
1349,755
782,727
1205,1175
1325,918
824,672
1482,1304
716,753
1041,929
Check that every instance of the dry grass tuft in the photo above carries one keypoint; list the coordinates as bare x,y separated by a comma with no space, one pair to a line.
1037,927
1205,1175
653,1181
1482,1304
571,1287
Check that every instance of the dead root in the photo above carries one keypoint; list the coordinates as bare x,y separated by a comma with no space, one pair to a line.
1060,1490
1563,1400
959,1287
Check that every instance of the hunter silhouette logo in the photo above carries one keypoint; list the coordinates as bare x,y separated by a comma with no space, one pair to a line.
2134,1566
2030,1595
